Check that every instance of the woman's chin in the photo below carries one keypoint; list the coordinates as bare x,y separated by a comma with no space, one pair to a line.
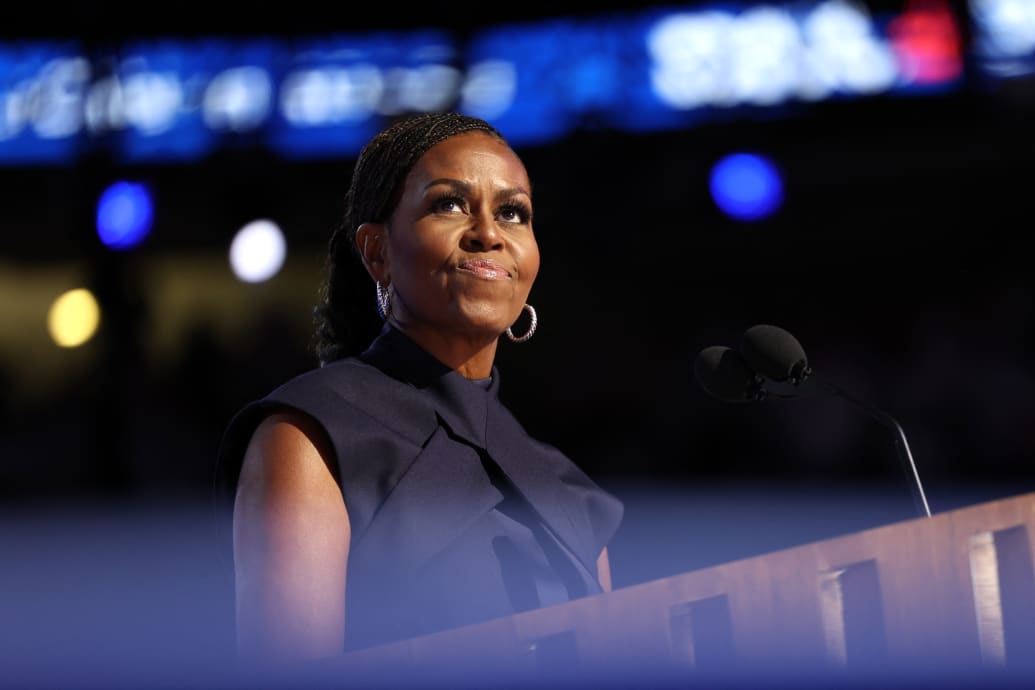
468,319
483,329
489,320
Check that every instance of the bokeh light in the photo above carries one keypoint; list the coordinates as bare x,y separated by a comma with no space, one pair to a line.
746,186
73,318
257,251
124,215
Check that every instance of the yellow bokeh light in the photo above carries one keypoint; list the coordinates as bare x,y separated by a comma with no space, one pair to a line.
73,318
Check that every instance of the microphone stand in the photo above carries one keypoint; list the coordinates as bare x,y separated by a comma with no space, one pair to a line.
905,455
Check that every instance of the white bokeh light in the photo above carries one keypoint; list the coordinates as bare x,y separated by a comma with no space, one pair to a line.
257,251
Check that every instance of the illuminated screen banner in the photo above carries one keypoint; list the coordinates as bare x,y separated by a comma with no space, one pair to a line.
182,99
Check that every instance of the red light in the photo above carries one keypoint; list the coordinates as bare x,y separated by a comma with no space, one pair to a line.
927,42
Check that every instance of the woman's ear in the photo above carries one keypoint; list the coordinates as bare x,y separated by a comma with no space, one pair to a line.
372,245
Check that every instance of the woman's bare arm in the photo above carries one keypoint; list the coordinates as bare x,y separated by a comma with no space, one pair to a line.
604,570
291,544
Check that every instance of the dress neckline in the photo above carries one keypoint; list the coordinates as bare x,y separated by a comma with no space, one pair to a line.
462,403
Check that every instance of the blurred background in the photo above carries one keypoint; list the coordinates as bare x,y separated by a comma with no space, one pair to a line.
858,173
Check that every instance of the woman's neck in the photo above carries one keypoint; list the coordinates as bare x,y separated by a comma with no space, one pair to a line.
470,355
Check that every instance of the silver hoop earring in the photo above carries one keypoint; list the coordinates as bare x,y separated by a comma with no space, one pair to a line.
531,327
384,302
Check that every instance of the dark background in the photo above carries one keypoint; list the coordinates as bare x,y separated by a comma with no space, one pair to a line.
900,260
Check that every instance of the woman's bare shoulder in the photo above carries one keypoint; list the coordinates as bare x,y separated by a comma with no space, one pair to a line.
288,441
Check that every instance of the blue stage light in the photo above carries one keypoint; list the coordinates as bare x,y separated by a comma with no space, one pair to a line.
746,186
124,215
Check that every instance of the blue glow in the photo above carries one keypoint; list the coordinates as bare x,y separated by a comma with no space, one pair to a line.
666,68
563,74
1004,37
124,215
42,86
179,101
746,186
336,92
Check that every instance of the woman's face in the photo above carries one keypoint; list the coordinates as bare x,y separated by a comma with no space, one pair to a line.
460,255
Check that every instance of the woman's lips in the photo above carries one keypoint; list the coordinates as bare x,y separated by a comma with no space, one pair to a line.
490,270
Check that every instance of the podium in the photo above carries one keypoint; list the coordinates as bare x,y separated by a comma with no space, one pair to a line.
948,597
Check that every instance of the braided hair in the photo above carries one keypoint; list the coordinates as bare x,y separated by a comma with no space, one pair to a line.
345,315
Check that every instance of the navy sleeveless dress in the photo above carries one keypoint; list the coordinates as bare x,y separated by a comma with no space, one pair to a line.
458,515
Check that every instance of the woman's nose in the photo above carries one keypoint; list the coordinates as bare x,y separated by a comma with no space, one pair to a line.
482,234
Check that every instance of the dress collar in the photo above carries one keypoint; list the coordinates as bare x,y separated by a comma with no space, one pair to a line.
433,395
461,403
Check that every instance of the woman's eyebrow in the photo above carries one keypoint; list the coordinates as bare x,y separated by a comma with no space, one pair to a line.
464,187
457,184
513,191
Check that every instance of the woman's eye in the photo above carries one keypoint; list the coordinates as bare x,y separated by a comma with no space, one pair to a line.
515,214
448,204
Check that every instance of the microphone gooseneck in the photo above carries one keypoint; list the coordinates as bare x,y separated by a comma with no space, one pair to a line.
901,443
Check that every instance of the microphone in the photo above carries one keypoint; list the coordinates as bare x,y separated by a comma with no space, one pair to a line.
722,373
777,355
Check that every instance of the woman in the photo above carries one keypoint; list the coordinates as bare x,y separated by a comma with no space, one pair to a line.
388,493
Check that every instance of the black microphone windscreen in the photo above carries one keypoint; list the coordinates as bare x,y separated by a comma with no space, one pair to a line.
722,373
773,352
